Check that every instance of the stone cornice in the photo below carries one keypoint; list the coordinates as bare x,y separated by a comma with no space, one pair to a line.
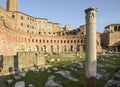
90,9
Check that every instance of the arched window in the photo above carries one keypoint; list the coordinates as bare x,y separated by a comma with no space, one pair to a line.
57,41
40,41
81,41
71,41
43,41
21,17
67,41
54,41
10,69
65,48
47,41
37,47
39,32
74,41
36,40
33,40
82,33
64,41
51,41
58,48
71,48
21,24
13,16
115,28
51,48
78,48
61,41
119,28
44,48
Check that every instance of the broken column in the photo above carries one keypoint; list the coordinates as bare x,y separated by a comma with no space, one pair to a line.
90,67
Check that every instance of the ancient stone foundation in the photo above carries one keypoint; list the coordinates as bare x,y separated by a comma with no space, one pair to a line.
21,61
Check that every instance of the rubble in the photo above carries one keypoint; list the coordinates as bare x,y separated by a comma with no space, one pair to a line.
66,74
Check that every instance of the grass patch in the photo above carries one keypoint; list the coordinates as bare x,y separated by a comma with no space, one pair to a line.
39,79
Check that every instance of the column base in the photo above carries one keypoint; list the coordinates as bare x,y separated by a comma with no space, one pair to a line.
90,82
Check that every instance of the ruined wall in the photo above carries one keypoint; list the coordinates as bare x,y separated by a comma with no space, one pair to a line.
6,63
111,37
27,60
20,32
23,60
98,42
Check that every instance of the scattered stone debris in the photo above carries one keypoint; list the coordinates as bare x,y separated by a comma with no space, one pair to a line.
106,60
115,81
118,68
31,85
107,56
17,77
74,64
73,69
102,59
36,71
42,70
107,65
117,75
117,55
77,64
98,76
101,74
112,83
55,69
51,83
22,74
48,71
66,74
63,66
10,81
20,84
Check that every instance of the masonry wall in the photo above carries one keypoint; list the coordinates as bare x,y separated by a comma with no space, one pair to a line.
7,62
21,61
111,37
20,32
27,60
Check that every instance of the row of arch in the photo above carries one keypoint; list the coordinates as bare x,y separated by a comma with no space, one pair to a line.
116,28
33,40
58,48
56,41
52,33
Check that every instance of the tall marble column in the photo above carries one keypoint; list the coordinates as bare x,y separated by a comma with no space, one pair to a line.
90,66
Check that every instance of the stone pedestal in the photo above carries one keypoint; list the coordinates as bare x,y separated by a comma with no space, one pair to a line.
90,68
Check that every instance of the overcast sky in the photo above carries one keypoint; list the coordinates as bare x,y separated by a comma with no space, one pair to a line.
71,11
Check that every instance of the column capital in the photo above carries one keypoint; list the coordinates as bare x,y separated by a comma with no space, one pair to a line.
91,9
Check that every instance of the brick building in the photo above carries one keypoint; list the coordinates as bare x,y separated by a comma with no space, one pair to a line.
111,37
21,32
